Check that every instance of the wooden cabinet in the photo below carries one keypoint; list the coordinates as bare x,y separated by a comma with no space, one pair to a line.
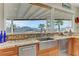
70,46
73,46
9,51
76,47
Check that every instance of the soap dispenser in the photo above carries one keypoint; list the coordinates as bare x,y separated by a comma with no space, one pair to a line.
1,36
4,36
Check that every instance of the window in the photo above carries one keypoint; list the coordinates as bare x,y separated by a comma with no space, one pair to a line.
23,26
62,25
8,26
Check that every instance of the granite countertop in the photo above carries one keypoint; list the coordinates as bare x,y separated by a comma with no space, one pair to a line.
75,36
14,43
9,44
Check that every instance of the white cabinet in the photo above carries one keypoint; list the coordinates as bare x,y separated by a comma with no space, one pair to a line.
27,50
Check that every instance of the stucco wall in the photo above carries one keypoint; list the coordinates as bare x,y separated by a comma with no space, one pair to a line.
1,17
77,25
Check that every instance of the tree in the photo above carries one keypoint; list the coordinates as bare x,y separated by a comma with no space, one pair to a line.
41,26
59,23
14,27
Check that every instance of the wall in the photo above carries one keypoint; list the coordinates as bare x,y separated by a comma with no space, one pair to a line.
1,17
59,6
77,12
77,15
74,12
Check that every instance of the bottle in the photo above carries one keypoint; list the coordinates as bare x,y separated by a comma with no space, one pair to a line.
4,36
1,36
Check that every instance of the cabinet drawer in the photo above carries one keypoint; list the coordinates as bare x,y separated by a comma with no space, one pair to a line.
9,51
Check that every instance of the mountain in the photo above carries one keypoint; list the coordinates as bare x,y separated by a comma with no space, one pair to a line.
23,29
26,28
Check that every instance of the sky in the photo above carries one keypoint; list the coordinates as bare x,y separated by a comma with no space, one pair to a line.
66,24
30,23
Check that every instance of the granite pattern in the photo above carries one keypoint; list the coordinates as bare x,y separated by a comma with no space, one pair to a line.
13,43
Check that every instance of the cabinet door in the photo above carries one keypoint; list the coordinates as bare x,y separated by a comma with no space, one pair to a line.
76,47
63,44
76,51
48,48
54,52
71,46
27,50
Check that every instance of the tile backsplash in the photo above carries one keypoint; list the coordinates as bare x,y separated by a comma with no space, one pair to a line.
26,36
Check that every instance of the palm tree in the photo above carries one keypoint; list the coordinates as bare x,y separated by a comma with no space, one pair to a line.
41,26
59,23
14,27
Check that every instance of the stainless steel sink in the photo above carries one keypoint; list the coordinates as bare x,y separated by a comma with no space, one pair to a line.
45,39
